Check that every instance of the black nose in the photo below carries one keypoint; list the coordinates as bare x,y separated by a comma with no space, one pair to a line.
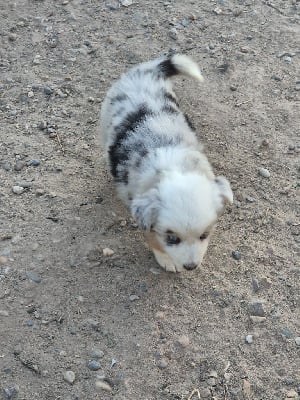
190,266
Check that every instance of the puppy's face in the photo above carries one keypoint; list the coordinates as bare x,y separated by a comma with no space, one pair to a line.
180,215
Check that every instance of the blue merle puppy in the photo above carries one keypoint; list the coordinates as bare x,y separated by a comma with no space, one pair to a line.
159,167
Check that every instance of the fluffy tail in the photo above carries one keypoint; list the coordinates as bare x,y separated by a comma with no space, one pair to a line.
180,64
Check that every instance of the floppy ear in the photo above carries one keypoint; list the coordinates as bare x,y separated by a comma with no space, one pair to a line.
145,209
224,189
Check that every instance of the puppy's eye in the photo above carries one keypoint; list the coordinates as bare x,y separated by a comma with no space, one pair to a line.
204,236
172,240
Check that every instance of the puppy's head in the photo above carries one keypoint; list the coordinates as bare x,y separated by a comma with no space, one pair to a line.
181,212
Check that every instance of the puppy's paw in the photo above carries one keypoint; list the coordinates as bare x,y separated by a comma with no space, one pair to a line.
164,261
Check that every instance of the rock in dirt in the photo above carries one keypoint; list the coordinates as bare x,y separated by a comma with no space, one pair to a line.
107,252
292,394
257,320
4,313
18,189
249,339
96,354
297,340
3,260
133,297
101,385
33,277
236,255
162,363
19,165
256,308
246,389
93,365
264,172
183,341
11,393
69,376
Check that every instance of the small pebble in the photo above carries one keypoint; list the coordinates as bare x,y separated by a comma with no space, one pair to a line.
3,260
173,33
250,199
287,59
40,192
264,172
249,339
4,313
133,297
297,340
286,333
25,184
292,394
255,285
126,3
18,189
42,125
213,374
257,320
183,341
101,385
35,163
256,309
162,363
19,165
113,363
48,90
107,252
93,365
96,354
11,393
69,376
87,43
211,381
33,277
12,37
236,254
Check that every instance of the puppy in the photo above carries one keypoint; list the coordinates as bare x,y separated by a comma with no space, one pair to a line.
160,169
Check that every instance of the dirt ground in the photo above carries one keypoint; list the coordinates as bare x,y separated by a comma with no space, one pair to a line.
126,329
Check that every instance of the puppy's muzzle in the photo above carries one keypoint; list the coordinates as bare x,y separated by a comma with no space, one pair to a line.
190,267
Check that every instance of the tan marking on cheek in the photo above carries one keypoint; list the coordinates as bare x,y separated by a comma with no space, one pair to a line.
153,242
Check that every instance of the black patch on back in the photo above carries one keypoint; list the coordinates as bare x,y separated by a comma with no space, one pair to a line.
118,153
170,98
189,122
167,68
169,109
119,98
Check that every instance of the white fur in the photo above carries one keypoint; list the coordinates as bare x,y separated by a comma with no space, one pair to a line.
160,169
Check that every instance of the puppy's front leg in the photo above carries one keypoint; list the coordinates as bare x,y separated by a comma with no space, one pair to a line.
164,261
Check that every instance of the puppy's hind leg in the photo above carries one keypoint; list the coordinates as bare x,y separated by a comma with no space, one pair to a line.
164,261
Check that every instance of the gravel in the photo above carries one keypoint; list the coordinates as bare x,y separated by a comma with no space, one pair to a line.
297,340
